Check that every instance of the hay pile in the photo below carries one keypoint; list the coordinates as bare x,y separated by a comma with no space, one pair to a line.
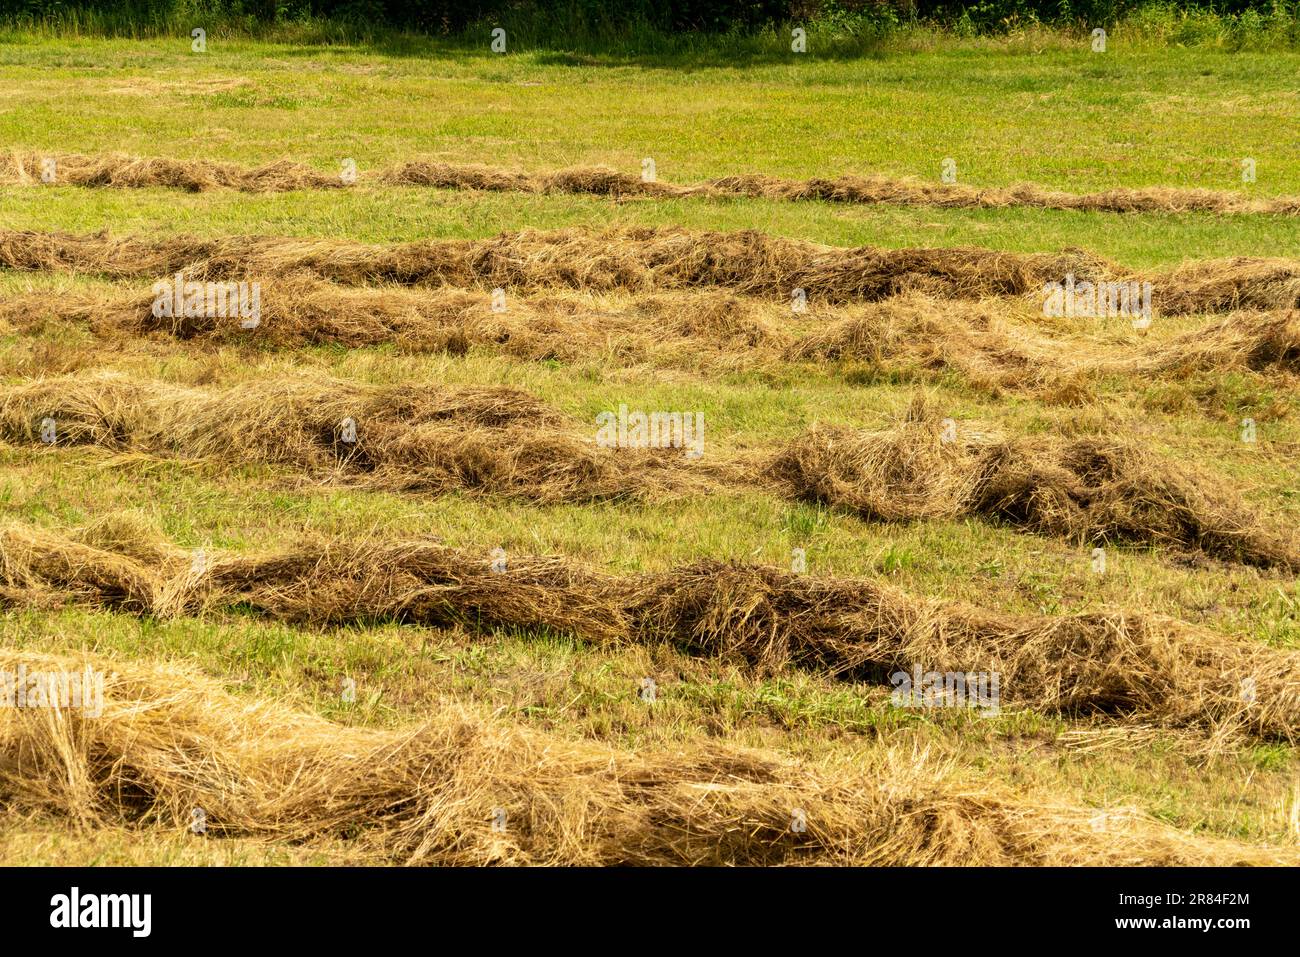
196,176
1240,341
643,259
1093,490
636,259
704,328
907,191
766,620
169,741
917,335
119,170
580,180
1112,662
1223,285
994,344
408,438
502,441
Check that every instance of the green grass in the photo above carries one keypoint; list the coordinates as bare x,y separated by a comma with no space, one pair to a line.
1009,112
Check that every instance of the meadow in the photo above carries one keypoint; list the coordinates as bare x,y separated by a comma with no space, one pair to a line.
360,650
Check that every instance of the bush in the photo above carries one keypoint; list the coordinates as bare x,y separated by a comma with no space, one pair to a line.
1237,22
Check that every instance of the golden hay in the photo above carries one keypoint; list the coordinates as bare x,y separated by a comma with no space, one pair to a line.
708,328
1241,341
992,343
591,180
407,438
119,170
906,191
502,441
647,258
169,741
639,259
918,335
1105,663
195,176
1092,489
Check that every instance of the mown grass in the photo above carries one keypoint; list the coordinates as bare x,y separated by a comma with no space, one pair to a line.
1060,117
1069,119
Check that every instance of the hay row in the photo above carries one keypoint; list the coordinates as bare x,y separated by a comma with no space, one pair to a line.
991,350
1090,489
169,741
655,259
122,171
911,335
505,442
427,439
1107,663
709,328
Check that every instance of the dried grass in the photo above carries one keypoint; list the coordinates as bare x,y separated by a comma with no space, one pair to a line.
1094,490
170,740
1110,662
120,170
640,259
993,344
501,441
409,438
701,329
906,191
635,259
117,170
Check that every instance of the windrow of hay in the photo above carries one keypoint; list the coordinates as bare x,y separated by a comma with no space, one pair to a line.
1254,341
578,180
710,328
1090,489
502,441
992,343
1099,663
196,176
635,258
656,258
169,741
917,334
120,170
908,191
407,438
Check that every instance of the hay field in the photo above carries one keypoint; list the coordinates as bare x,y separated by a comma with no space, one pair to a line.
378,569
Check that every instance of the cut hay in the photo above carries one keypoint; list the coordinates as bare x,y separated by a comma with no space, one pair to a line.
1225,285
635,259
907,191
993,344
701,329
647,259
1240,341
926,336
122,171
1090,490
505,442
169,741
581,180
116,170
407,438
1108,663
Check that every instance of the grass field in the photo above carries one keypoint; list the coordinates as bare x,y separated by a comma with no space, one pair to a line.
1125,735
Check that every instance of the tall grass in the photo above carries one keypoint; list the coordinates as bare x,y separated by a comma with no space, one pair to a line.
574,30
